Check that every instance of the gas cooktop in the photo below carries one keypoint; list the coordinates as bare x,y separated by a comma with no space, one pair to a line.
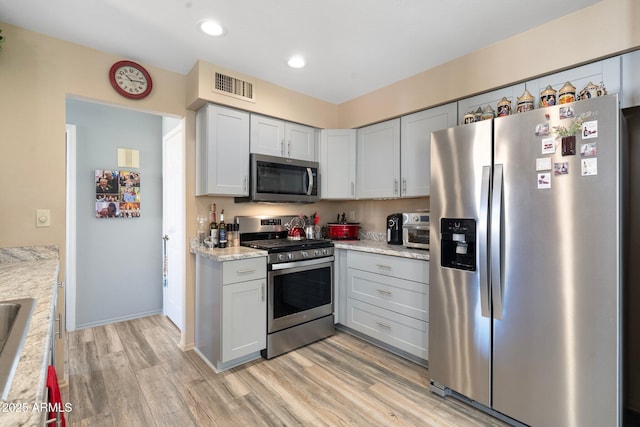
286,245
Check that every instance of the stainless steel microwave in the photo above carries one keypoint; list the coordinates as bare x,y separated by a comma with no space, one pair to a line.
281,180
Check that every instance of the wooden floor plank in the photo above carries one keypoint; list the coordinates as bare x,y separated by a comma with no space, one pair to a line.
133,373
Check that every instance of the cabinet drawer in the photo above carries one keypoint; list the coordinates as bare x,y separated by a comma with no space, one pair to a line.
398,295
402,332
405,268
242,270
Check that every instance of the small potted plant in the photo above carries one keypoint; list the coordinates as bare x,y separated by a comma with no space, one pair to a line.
568,135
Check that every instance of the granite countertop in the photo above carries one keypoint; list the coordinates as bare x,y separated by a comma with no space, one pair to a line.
30,272
381,247
226,254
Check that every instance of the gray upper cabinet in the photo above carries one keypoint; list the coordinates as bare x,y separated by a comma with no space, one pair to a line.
378,160
276,137
337,164
222,151
415,147
471,104
630,79
605,72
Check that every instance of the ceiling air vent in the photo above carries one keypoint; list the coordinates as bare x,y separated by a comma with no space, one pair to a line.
231,86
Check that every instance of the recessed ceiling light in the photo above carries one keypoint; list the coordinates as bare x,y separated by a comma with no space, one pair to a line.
211,28
296,62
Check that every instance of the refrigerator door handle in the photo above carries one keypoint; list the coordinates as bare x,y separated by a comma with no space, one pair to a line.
485,291
496,241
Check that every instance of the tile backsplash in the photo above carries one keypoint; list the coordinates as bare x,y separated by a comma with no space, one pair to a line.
371,214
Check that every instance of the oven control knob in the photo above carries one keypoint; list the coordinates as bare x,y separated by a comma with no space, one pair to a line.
280,257
290,255
325,251
305,254
318,252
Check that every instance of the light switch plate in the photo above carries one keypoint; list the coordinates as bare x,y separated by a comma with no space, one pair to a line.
43,218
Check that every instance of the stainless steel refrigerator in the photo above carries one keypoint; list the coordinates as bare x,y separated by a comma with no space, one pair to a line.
526,264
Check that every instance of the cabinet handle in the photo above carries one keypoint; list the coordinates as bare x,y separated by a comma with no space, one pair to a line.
404,186
246,271
383,325
244,184
262,286
59,320
353,188
395,186
282,148
383,291
289,149
386,267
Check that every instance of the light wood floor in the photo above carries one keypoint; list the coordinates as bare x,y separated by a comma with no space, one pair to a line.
133,374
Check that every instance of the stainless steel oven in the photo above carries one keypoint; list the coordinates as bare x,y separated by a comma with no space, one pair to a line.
300,303
300,287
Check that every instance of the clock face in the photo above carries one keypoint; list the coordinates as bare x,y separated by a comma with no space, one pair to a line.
130,80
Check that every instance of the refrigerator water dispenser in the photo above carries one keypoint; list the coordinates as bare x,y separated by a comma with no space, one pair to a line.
458,243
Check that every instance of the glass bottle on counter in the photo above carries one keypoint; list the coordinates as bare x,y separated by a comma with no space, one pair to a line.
222,231
213,226
231,239
202,229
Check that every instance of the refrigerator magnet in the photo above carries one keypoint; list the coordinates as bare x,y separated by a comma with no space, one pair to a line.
567,112
590,149
589,166
544,181
590,129
561,168
543,164
542,129
548,146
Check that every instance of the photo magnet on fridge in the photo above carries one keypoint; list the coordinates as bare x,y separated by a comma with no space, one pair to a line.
590,129
544,181
589,166
561,168
548,145
589,149
542,129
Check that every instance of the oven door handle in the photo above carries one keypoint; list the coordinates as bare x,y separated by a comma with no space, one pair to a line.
305,263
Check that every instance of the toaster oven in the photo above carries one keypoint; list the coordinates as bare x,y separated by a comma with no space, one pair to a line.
415,230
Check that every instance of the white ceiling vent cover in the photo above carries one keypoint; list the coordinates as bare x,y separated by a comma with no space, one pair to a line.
231,86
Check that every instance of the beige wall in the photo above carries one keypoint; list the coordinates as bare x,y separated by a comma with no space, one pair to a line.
38,72
604,29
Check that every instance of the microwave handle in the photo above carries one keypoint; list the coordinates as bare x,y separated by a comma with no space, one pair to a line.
310,188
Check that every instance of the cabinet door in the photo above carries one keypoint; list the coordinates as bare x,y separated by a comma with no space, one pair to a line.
378,160
222,151
471,104
338,164
244,319
630,81
415,147
267,136
300,142
605,72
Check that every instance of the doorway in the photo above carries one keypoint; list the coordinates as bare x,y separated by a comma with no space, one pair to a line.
116,265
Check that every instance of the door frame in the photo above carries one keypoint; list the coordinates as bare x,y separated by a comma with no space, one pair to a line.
70,235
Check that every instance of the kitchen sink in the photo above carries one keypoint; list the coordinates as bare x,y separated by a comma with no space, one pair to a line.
14,324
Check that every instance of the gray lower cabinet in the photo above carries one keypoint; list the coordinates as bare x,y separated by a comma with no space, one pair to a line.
231,310
387,298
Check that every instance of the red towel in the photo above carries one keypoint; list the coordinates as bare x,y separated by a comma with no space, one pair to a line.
55,398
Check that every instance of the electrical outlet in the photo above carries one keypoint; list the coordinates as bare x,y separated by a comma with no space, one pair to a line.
43,218
352,216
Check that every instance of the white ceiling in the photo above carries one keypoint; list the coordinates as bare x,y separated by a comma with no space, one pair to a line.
352,46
